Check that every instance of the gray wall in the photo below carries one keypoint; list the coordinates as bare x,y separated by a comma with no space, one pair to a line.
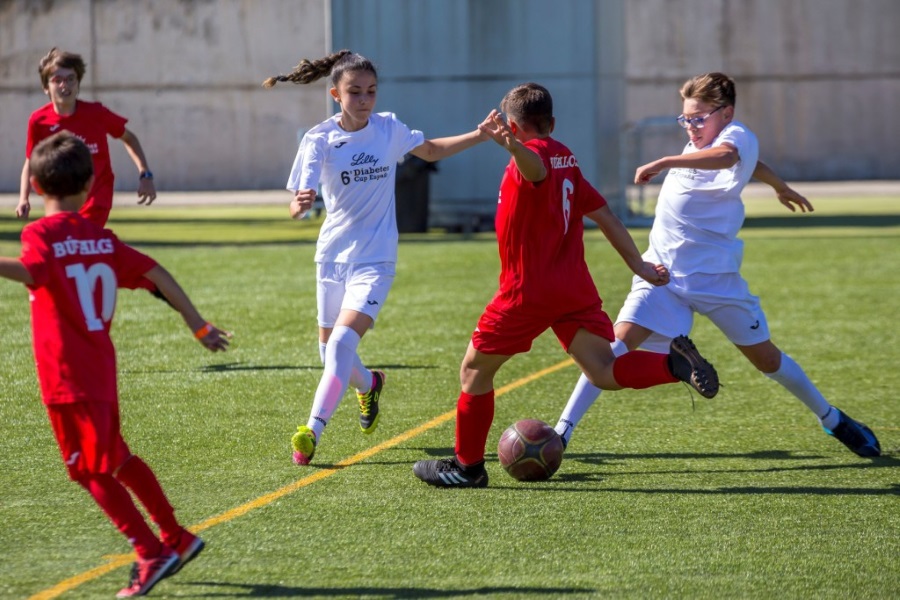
444,65
818,80
187,75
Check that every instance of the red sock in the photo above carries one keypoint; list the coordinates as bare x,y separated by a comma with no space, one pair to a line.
640,370
115,501
474,415
140,479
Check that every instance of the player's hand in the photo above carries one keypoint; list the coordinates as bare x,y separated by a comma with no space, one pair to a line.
789,197
645,173
23,209
302,202
655,274
495,127
213,338
488,128
146,191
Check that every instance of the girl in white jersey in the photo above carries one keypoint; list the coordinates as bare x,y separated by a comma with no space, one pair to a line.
698,217
353,157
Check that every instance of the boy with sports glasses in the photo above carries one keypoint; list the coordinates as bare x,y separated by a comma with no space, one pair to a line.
698,217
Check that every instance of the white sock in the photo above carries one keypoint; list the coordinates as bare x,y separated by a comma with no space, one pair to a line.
360,376
791,376
583,397
339,356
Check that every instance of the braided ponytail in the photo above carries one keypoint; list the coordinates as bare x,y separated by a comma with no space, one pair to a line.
308,71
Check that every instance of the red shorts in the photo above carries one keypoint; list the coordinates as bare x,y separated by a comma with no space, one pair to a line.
89,437
507,331
98,205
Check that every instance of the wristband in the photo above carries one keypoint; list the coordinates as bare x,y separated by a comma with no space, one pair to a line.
204,331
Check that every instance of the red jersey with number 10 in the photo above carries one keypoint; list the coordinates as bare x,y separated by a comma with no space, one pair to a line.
77,268
540,233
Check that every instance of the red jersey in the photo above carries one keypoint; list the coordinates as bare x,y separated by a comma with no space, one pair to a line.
92,123
540,233
76,267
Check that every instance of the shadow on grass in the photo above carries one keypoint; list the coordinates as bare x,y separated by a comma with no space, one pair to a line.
599,458
557,482
237,590
237,366
792,222
881,462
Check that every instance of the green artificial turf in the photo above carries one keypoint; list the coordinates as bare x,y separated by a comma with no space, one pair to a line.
742,496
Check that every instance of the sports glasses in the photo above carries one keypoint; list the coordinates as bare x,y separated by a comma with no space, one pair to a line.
68,80
695,121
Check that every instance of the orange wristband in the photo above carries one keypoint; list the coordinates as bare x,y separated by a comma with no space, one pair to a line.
204,331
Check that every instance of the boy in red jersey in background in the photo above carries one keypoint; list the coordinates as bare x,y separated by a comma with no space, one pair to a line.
61,75
545,283
72,268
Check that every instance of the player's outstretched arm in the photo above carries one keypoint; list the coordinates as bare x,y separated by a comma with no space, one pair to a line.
12,268
623,243
209,335
445,147
786,195
723,156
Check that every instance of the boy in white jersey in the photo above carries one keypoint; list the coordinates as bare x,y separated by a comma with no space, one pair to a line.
698,217
353,155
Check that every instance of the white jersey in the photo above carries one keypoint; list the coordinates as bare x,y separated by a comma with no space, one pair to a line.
357,170
700,212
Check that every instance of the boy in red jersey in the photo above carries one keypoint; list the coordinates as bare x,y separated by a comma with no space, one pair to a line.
545,283
61,75
72,268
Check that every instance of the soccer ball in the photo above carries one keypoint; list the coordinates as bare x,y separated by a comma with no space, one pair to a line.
530,450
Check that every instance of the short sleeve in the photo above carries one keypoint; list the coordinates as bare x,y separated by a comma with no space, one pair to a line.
113,123
588,199
35,252
307,168
404,139
30,137
734,136
131,265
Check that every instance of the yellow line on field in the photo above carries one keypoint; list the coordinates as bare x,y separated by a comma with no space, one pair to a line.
120,560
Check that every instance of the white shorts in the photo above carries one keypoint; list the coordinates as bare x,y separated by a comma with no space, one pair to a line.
668,310
360,287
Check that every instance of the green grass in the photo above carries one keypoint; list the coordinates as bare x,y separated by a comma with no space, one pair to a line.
742,496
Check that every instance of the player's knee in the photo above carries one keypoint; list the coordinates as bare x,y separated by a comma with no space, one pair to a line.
768,363
473,379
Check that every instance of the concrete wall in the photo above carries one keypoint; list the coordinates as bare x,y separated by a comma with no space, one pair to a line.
444,65
818,80
187,75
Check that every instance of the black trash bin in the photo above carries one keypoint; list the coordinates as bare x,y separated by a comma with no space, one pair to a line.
412,194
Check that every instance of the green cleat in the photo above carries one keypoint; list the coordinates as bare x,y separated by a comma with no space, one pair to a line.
304,445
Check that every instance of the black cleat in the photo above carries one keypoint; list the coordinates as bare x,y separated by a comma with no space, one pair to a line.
687,365
855,436
446,472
